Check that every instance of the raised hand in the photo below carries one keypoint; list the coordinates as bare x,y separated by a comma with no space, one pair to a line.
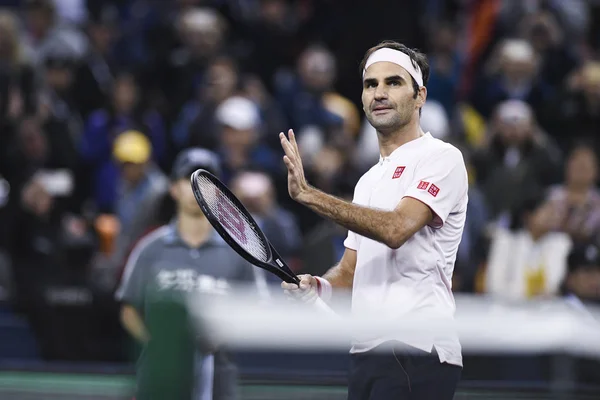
297,185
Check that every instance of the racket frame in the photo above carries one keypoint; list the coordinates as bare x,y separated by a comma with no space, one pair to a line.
274,264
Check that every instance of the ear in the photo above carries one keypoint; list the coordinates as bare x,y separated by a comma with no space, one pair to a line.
421,96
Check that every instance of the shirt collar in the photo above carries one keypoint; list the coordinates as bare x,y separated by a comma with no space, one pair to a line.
394,154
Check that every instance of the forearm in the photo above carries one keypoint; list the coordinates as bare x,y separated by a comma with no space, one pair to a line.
132,322
339,277
379,225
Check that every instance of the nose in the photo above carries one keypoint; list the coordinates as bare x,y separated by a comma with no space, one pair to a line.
381,92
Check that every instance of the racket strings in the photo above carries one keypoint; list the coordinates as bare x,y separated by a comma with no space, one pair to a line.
233,220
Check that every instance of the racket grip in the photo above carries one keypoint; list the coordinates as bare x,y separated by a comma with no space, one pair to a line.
323,307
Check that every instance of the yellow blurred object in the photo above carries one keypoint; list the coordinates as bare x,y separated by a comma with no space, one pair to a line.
132,147
344,108
474,124
535,282
107,226
591,73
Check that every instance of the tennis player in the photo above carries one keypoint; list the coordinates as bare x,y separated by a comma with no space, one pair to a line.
184,256
405,224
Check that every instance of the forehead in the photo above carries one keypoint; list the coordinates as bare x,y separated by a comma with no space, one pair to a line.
383,69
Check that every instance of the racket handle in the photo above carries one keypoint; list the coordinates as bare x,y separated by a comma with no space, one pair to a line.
323,307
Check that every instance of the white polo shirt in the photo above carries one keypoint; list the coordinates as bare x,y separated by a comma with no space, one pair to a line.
415,280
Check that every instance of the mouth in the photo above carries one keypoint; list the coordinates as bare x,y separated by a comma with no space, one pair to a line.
381,109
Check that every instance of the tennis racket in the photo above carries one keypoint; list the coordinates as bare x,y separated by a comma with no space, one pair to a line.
233,222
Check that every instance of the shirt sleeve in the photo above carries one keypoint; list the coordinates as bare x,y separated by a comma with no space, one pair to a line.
440,182
133,282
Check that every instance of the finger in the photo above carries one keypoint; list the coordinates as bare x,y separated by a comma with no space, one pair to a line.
288,163
289,286
288,148
292,139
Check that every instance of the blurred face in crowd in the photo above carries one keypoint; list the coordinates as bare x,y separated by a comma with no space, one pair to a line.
133,173
514,131
8,36
542,31
33,140
102,37
273,11
59,78
238,140
36,199
591,80
221,81
40,19
202,31
317,69
388,97
584,282
444,39
582,168
182,193
125,94
256,191
518,63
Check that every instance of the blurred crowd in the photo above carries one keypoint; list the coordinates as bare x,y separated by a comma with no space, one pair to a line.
98,97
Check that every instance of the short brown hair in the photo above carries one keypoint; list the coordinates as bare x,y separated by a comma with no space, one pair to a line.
418,59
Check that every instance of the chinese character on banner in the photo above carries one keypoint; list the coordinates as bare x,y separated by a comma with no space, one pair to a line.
186,279
165,280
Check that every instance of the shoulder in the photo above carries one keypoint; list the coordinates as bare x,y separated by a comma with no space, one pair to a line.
150,243
443,151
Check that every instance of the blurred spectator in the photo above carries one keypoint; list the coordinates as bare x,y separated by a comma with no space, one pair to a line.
201,33
512,74
240,148
272,40
577,200
530,258
517,158
256,191
196,124
57,105
575,115
557,57
46,33
17,77
96,74
473,245
582,281
301,96
127,111
141,187
446,65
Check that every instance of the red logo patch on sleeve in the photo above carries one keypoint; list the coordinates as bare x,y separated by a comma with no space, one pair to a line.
433,190
423,185
398,172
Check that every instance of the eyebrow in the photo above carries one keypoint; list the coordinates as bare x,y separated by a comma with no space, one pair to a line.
388,79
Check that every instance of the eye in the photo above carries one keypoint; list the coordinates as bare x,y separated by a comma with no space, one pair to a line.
371,85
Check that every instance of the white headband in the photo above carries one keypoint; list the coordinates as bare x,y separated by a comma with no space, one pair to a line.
396,57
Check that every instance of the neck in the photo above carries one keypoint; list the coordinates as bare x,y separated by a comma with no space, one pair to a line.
194,230
391,141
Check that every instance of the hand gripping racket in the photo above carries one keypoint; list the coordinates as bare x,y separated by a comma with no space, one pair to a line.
233,222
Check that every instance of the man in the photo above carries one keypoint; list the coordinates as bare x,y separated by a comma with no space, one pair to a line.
186,255
141,188
405,225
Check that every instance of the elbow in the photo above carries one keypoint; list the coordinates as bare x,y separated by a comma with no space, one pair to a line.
394,242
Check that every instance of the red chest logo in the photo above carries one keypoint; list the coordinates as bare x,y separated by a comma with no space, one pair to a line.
423,185
433,190
398,172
